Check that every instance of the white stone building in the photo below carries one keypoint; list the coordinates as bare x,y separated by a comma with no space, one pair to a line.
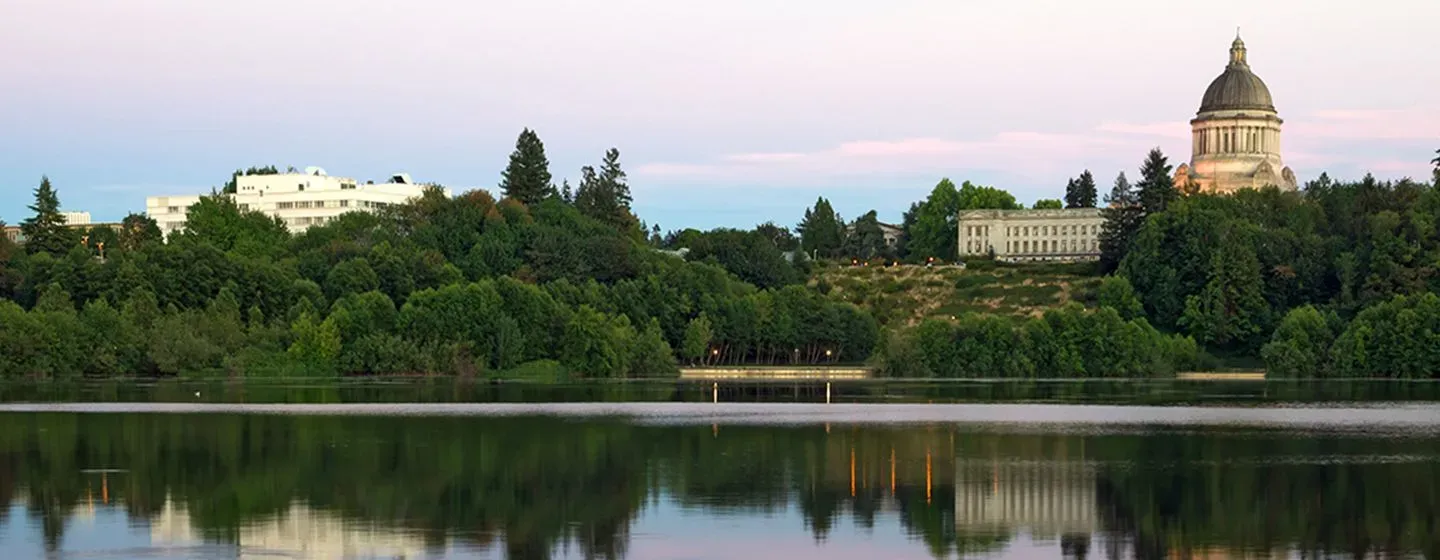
76,218
300,200
1071,234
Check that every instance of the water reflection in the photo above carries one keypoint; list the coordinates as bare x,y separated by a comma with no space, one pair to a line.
221,485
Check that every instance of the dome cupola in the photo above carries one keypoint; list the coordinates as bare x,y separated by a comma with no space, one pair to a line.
1237,88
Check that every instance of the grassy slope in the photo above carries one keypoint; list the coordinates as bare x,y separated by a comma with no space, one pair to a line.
906,295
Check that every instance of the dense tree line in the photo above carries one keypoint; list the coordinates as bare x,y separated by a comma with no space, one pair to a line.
1336,279
462,285
1066,342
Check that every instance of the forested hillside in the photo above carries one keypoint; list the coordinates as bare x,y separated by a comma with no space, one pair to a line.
562,284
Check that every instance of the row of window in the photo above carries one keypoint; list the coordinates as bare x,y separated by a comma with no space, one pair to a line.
1027,231
1052,246
307,204
976,247
307,221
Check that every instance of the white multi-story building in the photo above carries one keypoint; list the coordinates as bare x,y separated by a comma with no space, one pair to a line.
300,200
1071,234
76,218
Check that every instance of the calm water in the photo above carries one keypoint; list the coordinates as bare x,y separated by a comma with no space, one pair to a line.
210,477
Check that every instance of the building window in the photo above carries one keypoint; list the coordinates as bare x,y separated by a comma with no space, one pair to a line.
344,203
172,209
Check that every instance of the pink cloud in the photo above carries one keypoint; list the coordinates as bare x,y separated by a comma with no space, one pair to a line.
1415,123
1022,153
1048,155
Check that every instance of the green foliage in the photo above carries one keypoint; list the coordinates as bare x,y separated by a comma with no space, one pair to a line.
46,232
1080,192
1225,268
1230,311
1399,338
1067,342
698,334
526,178
822,231
1048,204
1301,344
750,255
316,344
1123,215
218,222
931,225
605,196
865,240
1116,293
1156,189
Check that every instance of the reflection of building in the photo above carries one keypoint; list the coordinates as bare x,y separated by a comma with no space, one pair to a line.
1043,497
298,532
1071,234
1235,137
300,200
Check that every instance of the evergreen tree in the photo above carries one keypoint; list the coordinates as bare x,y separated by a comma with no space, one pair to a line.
1231,310
565,192
1156,188
865,239
822,231
45,232
527,177
1123,217
1436,161
1080,192
604,195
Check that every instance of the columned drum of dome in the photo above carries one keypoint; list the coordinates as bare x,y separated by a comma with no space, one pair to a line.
1235,136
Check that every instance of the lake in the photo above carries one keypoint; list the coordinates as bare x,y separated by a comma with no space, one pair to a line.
658,472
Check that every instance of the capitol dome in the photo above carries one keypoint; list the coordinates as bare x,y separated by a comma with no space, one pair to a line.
1235,137
1237,88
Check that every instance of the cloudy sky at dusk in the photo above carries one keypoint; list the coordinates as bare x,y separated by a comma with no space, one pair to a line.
726,114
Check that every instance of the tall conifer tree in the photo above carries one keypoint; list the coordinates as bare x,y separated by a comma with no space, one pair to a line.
1123,216
1157,187
604,195
1085,192
45,232
822,232
527,177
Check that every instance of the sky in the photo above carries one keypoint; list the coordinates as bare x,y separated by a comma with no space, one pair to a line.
726,114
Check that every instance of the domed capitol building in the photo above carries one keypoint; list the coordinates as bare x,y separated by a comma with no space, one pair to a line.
1235,136
1235,144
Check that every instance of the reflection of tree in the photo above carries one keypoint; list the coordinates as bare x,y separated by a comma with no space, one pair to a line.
530,485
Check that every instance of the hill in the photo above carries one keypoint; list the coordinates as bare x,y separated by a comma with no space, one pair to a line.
905,295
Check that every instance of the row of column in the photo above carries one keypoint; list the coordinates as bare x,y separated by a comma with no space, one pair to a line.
1235,140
